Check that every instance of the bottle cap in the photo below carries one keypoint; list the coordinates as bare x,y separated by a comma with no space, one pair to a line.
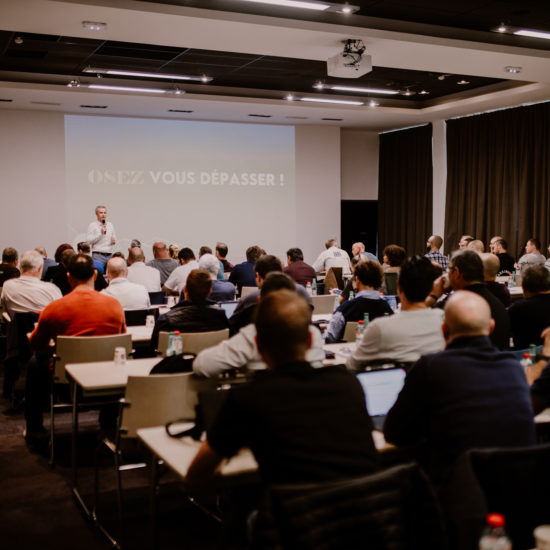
177,333
495,520
361,322
526,355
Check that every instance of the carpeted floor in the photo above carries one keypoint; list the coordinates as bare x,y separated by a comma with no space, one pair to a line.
37,509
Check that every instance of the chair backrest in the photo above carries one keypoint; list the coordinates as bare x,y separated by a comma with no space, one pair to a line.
349,331
157,298
83,349
157,399
247,290
193,342
333,279
323,304
391,282
514,482
394,509
17,342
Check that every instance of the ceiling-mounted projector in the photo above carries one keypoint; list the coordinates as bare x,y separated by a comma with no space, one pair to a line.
351,63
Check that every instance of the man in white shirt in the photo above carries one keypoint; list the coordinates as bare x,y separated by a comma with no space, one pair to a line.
28,293
101,236
241,351
333,256
532,255
410,333
140,273
130,295
175,284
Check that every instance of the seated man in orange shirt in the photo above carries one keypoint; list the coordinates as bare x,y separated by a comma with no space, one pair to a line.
82,312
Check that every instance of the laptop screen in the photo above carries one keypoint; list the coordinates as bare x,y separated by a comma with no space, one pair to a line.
229,308
381,388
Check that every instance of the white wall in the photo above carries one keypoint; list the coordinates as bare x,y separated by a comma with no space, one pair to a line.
359,165
32,180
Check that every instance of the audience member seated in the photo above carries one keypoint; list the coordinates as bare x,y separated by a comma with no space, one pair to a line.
493,243
333,256
507,262
222,291
8,267
468,396
491,267
464,241
221,254
367,280
207,250
358,249
241,351
142,274
244,311
392,257
529,317
82,312
48,262
28,293
163,262
175,284
302,424
466,273
58,273
196,313
243,274
52,270
532,255
477,245
301,272
433,245
84,248
130,295
539,376
411,332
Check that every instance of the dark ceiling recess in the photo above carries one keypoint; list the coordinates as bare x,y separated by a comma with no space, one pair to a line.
234,74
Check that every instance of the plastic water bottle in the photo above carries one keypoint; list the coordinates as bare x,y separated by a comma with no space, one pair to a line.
532,352
365,321
359,332
336,302
351,295
177,343
314,287
309,289
494,536
170,347
526,362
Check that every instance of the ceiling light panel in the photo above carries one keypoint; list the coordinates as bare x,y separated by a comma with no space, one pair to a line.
138,74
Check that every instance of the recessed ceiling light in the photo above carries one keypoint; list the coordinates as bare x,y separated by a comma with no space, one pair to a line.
127,89
318,6
423,92
463,82
319,85
513,70
407,92
18,40
533,34
289,97
74,83
364,90
373,103
94,25
501,28
118,72
336,101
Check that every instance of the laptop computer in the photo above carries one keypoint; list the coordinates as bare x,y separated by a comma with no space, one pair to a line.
381,389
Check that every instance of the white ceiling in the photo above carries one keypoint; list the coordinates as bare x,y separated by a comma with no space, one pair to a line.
132,21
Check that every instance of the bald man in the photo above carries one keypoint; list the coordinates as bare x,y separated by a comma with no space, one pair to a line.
468,396
131,296
491,267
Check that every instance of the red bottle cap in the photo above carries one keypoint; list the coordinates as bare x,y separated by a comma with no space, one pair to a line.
527,355
495,520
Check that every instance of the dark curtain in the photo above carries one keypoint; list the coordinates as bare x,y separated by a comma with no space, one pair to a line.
405,189
498,176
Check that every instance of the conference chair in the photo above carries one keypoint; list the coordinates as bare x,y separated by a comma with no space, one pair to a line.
193,342
390,280
334,279
395,509
323,304
350,331
78,349
514,482
247,290
148,401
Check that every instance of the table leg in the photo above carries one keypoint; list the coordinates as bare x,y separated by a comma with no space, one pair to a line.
154,501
